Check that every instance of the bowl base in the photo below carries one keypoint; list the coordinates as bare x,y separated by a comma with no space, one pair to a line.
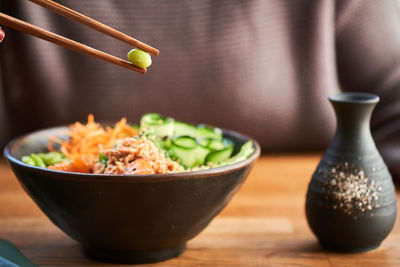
332,247
133,256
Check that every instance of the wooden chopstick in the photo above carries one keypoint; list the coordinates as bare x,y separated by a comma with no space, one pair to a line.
22,26
94,24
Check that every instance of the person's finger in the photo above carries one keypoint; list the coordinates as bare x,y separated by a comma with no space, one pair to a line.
2,34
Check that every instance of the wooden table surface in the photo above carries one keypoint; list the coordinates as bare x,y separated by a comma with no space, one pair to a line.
264,225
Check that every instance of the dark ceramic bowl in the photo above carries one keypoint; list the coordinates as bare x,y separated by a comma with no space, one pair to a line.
128,218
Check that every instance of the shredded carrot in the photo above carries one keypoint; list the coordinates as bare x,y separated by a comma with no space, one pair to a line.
85,142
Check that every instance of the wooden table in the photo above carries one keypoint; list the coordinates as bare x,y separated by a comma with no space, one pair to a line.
264,225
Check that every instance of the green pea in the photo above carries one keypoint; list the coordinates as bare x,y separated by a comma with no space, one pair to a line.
38,160
139,58
28,160
52,158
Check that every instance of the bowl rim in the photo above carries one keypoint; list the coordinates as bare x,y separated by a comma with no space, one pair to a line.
133,177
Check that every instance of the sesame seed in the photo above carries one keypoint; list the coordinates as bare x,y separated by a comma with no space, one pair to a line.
350,189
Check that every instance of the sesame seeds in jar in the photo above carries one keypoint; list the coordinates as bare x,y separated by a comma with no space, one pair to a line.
350,190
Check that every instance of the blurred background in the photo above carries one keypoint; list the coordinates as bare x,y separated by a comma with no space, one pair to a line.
219,64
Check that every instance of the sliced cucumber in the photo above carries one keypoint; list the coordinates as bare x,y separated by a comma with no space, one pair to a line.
216,144
204,142
188,152
157,124
190,158
167,143
219,155
186,142
184,129
201,132
205,131
245,151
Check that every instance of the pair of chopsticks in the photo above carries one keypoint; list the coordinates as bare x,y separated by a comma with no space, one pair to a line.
22,26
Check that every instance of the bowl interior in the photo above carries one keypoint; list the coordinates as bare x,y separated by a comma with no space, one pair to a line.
37,142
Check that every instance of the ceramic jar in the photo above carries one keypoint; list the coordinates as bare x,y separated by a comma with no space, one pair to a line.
351,200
